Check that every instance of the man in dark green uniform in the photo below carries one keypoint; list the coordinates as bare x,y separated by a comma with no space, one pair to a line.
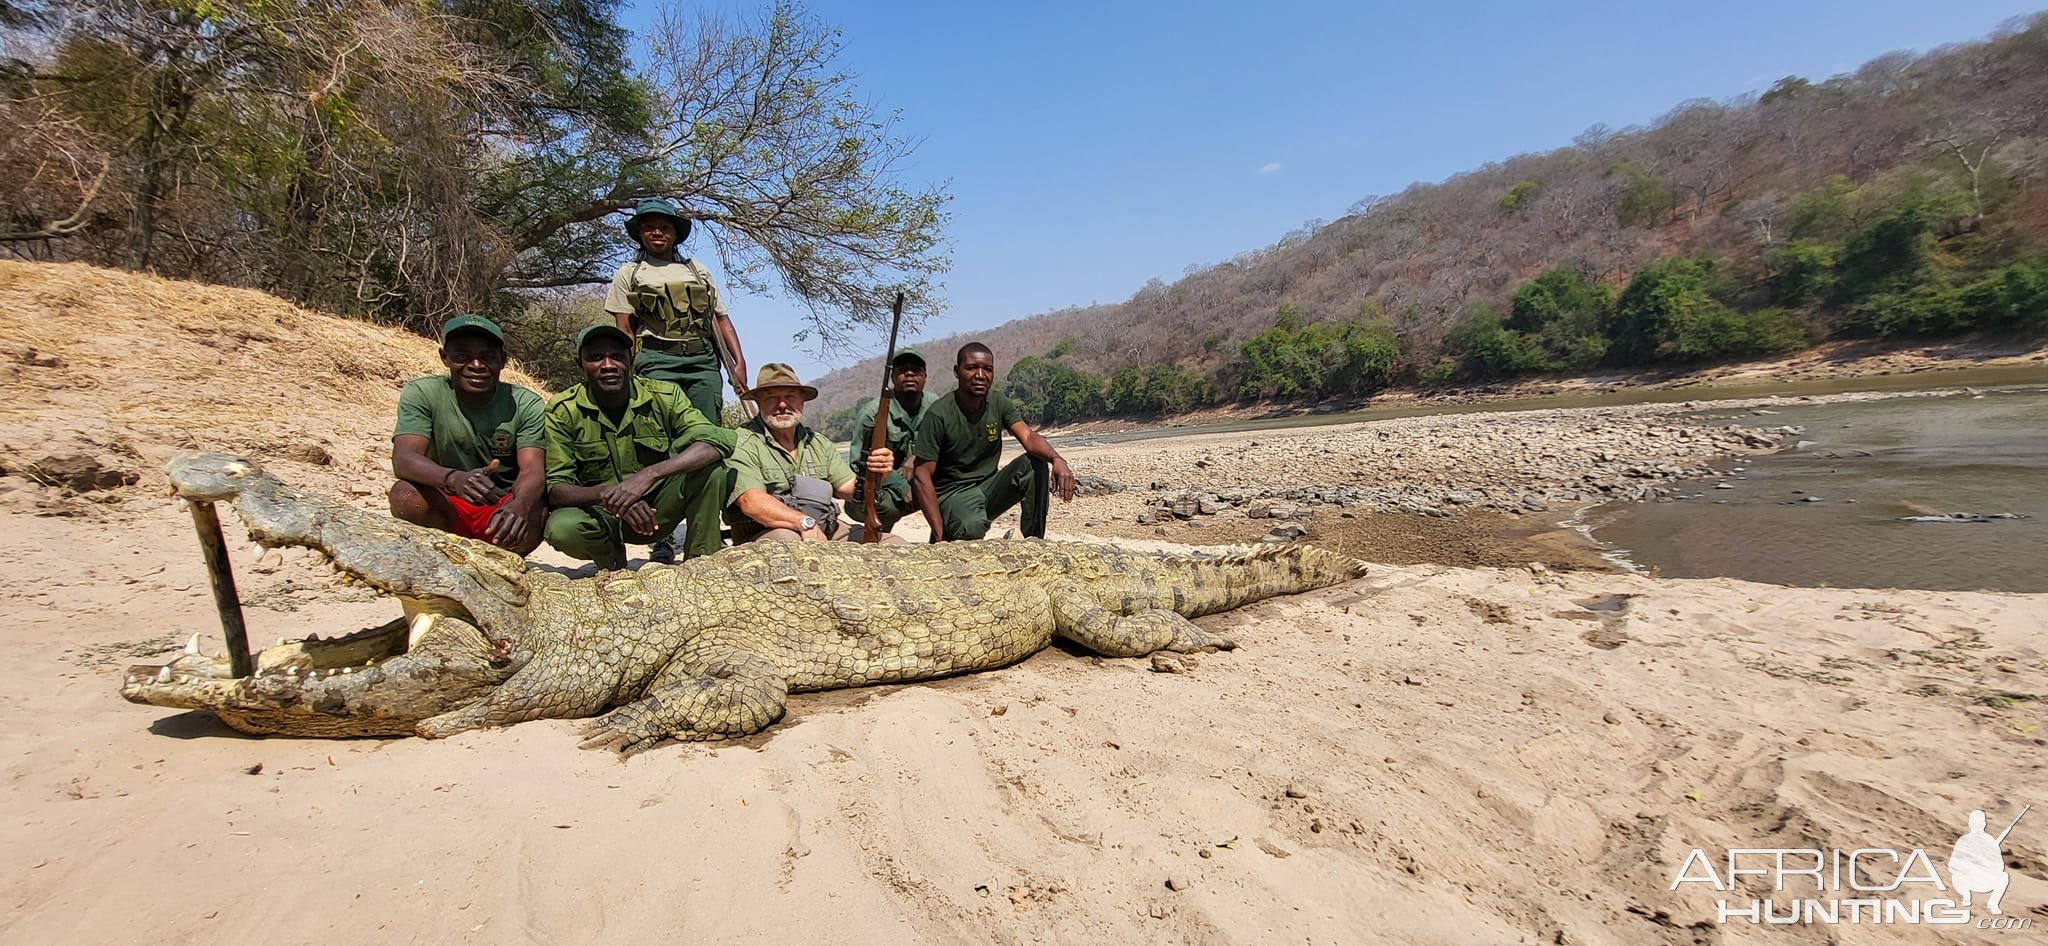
468,449
892,501
668,302
628,458
959,441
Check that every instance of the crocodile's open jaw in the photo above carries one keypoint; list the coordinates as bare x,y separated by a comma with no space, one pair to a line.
464,602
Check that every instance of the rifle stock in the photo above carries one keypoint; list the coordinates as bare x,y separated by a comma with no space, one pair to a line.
878,438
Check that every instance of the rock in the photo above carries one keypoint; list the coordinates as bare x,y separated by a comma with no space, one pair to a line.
36,359
1814,499
1168,662
1160,485
1178,883
78,472
1716,486
1096,486
1145,518
1212,507
1533,504
309,452
1295,791
1285,532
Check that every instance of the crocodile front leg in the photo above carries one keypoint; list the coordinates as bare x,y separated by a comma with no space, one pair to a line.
734,693
1078,618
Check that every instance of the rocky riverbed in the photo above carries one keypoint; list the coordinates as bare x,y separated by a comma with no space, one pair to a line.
1510,462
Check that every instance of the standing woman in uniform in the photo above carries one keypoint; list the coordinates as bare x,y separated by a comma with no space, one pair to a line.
668,304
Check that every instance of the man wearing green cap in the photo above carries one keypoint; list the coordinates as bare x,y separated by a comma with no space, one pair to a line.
906,385
668,302
786,476
469,449
628,458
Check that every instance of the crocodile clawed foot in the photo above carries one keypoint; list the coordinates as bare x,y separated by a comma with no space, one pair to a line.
1192,639
600,735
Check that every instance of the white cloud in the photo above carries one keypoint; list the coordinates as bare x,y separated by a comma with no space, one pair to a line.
1270,167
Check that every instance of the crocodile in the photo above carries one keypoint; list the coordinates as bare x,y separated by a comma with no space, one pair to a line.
705,649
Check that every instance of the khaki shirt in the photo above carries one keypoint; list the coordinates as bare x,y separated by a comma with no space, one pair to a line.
758,462
586,447
679,276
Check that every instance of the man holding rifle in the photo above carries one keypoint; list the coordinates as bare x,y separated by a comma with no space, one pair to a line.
906,393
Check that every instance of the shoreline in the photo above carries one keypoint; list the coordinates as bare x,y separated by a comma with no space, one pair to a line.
1853,365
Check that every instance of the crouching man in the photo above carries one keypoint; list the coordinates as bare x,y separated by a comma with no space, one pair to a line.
786,476
468,449
628,459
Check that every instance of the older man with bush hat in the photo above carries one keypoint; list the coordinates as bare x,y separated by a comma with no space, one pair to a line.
786,476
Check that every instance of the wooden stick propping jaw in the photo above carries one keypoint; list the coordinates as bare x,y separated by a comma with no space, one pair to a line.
215,549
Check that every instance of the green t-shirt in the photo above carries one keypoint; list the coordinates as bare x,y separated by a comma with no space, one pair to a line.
588,447
758,462
464,439
966,446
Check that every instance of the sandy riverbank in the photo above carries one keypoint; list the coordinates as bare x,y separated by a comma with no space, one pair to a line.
1431,754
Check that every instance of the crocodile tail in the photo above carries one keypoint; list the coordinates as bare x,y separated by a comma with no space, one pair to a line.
1219,583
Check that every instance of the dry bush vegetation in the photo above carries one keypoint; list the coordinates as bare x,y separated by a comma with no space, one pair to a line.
1962,127
118,370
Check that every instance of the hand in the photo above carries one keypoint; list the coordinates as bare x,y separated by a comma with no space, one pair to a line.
881,462
812,534
620,496
507,527
473,486
1062,480
739,381
640,518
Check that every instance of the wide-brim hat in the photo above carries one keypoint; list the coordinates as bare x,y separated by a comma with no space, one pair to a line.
775,374
656,207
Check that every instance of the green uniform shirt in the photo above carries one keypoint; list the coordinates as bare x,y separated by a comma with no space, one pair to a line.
758,462
965,445
902,429
586,447
464,439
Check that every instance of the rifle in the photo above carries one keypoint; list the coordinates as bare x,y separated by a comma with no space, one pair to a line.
879,438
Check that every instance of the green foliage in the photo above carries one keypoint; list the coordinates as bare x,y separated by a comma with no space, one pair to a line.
1827,212
1159,389
1323,359
2014,296
1801,272
1785,89
1643,198
1519,196
839,425
1563,310
1673,310
1050,392
1483,347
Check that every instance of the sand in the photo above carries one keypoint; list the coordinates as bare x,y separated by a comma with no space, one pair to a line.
1432,754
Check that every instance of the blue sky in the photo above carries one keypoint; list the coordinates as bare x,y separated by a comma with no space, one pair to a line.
1092,146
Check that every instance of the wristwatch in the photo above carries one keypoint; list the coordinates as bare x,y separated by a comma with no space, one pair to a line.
808,524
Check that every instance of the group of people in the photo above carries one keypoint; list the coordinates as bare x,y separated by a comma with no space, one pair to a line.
635,452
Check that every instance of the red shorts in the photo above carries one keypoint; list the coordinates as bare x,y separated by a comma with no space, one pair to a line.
471,520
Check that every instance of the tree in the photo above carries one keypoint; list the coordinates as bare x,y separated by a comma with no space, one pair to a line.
768,147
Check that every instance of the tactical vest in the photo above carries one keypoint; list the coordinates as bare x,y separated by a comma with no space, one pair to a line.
666,323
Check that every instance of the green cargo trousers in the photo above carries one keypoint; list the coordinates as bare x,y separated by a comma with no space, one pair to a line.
967,509
593,534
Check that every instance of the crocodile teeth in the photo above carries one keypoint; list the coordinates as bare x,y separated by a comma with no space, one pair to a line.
192,646
421,624
163,673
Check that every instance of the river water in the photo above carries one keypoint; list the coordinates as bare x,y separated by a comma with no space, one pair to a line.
1829,511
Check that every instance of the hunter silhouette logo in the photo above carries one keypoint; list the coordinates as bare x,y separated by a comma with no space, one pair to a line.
1977,864
1866,885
